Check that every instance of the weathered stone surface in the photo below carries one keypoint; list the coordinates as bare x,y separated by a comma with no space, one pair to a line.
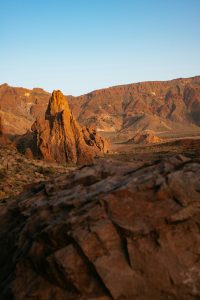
60,138
108,231
20,107
144,137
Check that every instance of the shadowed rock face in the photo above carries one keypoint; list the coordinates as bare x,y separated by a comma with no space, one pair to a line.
1,131
60,138
105,232
3,139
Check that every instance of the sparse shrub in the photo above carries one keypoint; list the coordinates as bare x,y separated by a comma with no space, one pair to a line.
46,171
3,173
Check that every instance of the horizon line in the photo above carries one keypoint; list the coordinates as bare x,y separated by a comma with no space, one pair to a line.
100,89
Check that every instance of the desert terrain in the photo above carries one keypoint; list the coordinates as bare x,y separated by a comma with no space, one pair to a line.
99,194
167,111
100,150
165,107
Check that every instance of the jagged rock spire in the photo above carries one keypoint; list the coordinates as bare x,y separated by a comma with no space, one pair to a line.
60,138
57,104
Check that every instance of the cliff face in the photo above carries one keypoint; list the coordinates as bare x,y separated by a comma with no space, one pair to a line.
60,138
111,231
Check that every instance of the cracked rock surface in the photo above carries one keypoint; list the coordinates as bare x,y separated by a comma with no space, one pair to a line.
107,231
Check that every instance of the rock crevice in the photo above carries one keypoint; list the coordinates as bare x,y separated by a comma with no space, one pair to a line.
105,232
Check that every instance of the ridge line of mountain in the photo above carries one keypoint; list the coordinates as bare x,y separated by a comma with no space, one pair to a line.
109,87
161,106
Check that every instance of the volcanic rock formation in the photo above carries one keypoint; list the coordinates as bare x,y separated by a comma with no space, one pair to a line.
60,138
105,232
144,137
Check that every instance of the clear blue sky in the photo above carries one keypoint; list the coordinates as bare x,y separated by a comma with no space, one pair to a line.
81,45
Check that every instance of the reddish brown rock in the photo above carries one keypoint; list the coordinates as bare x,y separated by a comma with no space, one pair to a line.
20,107
157,105
1,129
160,106
109,231
144,137
1,132
3,139
60,138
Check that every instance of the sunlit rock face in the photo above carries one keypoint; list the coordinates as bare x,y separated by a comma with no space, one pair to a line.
58,137
158,105
19,108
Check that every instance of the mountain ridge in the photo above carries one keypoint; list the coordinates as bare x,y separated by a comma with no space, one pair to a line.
134,98
155,105
105,88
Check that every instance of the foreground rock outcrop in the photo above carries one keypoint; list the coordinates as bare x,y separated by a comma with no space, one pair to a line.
105,232
60,138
